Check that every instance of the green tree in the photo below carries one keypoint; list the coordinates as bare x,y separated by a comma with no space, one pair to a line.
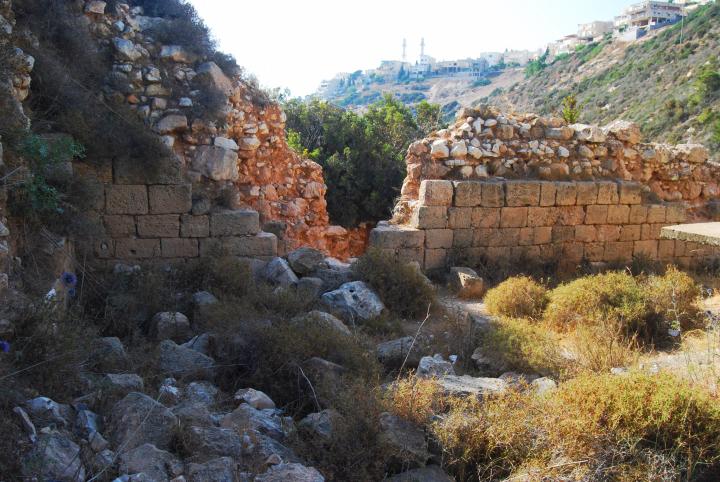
536,66
571,110
363,156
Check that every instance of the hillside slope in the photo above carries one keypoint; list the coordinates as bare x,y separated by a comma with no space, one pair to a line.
667,82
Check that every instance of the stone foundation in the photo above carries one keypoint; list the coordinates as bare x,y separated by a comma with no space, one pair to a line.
469,222
143,222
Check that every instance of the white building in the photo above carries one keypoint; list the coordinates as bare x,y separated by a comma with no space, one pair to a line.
649,13
592,30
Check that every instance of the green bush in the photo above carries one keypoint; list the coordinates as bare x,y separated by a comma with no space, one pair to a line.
615,296
674,297
520,345
517,297
402,287
363,156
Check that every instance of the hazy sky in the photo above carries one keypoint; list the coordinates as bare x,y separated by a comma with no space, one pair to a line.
298,43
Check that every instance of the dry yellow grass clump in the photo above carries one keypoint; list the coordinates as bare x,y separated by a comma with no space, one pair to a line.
517,297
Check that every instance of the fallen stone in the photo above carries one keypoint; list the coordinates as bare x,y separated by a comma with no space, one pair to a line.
201,392
353,302
158,464
310,288
216,163
290,473
393,353
305,260
138,419
434,367
466,283
223,469
208,443
169,325
466,385
325,320
54,457
266,421
404,441
254,398
278,273
108,355
184,362
125,382
321,423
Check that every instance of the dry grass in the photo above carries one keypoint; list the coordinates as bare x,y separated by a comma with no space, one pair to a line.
594,427
415,399
517,297
402,287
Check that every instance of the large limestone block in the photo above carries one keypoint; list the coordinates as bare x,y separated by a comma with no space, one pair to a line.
210,75
217,163
239,222
262,245
588,133
179,248
522,193
395,237
624,131
466,282
126,199
353,302
158,226
467,193
138,419
436,193
170,199
429,217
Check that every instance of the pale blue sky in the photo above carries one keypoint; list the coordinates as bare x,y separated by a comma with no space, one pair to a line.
298,43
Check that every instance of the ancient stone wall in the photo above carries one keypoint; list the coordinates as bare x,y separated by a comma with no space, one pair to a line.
522,187
484,143
239,160
478,221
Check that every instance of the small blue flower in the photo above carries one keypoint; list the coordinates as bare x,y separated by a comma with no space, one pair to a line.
4,346
69,279
72,292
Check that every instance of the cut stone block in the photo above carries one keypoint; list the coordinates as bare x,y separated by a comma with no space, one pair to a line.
241,222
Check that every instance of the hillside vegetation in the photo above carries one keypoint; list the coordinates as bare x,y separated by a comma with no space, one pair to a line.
668,82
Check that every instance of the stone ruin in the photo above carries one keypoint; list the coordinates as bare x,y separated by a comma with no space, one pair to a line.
515,187
233,185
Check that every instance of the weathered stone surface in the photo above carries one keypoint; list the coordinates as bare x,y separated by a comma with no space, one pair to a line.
466,385
217,163
223,469
321,423
126,199
209,75
434,366
405,441
169,325
266,421
466,283
390,236
54,456
194,226
138,419
241,222
394,352
178,361
254,398
209,443
157,464
279,273
436,193
171,199
172,123
325,320
108,355
353,302
158,226
290,473
305,260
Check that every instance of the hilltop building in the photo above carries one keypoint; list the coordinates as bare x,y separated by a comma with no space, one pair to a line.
649,13
593,30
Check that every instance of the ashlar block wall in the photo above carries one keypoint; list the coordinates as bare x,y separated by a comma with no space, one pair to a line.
597,221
